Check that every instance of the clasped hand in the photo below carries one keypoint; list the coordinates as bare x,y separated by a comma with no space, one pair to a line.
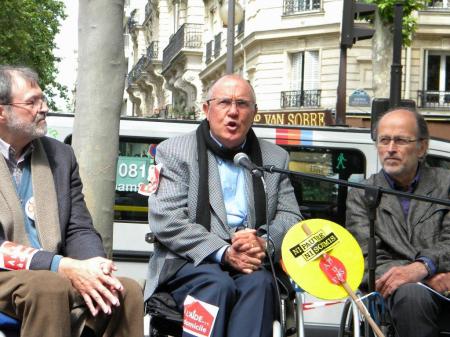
399,275
94,280
247,251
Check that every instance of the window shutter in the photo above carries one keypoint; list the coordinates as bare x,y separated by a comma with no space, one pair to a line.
296,71
311,70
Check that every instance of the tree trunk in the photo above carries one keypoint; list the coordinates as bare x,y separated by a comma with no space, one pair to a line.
100,85
382,48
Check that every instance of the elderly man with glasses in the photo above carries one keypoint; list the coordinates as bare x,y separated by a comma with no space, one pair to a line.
412,237
209,218
56,278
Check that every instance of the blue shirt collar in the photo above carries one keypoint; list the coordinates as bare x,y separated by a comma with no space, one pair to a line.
395,186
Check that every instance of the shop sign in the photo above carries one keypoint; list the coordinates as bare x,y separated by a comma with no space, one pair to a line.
305,118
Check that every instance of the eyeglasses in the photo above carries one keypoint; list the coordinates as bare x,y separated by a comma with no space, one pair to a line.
36,103
226,103
398,140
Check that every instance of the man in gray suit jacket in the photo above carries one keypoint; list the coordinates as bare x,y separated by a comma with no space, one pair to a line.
412,237
56,279
209,218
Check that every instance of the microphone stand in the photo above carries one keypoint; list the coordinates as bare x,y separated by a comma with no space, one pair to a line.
372,198
258,173
273,169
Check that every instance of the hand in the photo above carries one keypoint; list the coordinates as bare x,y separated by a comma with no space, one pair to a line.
93,279
247,241
397,276
439,282
241,261
246,252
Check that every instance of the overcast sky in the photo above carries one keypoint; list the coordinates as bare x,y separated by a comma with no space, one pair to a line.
67,44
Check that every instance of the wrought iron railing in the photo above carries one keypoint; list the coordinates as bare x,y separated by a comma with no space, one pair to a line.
433,99
188,36
438,4
297,6
131,23
152,51
299,98
135,73
208,55
217,45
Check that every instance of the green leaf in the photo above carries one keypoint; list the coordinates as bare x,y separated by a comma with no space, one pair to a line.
386,11
28,35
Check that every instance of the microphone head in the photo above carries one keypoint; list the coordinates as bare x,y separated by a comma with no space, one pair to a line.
238,158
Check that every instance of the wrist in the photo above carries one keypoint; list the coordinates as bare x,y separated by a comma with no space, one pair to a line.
224,259
428,264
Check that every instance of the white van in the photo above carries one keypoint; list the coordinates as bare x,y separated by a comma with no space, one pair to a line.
340,152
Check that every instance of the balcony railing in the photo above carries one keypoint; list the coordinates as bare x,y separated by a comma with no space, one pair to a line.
188,36
433,99
217,45
135,73
131,23
298,6
438,4
209,47
152,51
299,98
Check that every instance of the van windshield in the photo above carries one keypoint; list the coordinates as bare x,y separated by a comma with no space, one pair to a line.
320,199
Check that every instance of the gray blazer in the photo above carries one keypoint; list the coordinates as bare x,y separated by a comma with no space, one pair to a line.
172,209
77,237
399,241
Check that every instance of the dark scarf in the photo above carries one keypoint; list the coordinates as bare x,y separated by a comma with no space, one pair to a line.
251,148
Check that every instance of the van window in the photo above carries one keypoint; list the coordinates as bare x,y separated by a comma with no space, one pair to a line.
437,161
135,157
319,199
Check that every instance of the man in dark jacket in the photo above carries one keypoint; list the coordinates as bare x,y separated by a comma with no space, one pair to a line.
56,279
412,237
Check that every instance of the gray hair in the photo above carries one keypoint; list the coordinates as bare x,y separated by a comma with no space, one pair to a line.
422,127
7,75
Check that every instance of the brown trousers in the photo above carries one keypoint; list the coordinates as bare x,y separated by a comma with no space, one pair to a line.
48,305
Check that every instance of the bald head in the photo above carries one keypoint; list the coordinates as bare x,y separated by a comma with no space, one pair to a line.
230,109
421,127
230,80
402,143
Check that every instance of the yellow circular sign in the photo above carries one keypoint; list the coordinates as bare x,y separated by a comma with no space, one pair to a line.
302,254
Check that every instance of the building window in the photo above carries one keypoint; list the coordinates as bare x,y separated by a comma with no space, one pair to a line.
297,6
241,26
305,70
208,51
304,82
217,44
438,4
436,93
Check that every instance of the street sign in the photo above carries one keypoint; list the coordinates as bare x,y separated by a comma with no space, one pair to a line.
359,98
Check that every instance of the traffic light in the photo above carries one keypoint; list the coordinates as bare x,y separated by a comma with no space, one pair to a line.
351,32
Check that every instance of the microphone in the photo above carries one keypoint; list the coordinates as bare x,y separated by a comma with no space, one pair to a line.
241,159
